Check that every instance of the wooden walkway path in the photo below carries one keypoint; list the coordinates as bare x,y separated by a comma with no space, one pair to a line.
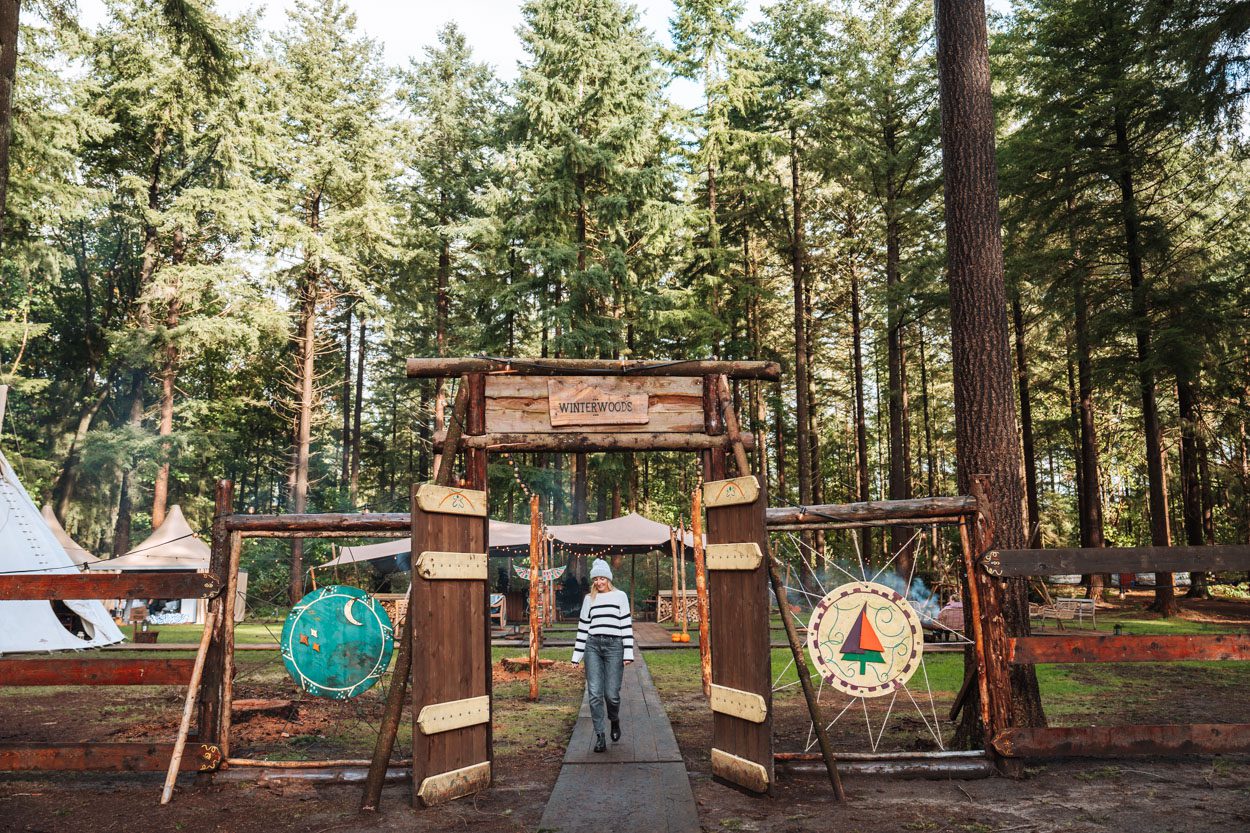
639,785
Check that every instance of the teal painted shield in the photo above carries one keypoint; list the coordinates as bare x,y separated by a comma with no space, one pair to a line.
337,642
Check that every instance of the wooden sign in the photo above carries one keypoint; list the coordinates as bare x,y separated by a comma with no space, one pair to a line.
600,401
746,556
739,490
449,501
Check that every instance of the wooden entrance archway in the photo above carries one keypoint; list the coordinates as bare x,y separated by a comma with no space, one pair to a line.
570,405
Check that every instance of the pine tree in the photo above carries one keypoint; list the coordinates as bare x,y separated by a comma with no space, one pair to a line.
595,166
335,155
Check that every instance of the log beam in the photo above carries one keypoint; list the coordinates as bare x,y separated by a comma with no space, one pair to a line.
871,511
434,368
155,585
1029,650
590,441
104,757
1117,741
1073,560
323,525
76,671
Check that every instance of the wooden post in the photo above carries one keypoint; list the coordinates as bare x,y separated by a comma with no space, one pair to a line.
800,668
391,716
212,688
535,550
455,430
672,547
731,425
193,690
229,595
742,751
986,593
401,677
700,586
681,569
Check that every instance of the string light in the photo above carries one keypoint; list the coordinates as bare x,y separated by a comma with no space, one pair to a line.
516,475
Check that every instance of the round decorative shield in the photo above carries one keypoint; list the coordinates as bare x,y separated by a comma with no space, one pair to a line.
865,639
337,642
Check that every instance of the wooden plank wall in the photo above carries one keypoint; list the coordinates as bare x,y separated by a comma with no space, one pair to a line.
449,658
518,404
450,634
738,610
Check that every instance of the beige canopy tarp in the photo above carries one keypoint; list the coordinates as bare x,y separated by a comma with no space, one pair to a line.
630,534
174,546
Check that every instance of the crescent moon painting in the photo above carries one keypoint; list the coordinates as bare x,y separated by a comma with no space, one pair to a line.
337,642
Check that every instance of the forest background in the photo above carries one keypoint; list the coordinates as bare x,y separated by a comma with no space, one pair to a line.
220,243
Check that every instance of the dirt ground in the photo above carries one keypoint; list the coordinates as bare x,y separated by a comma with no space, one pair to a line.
1192,795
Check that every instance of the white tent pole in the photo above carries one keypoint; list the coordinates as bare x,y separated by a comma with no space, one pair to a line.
4,401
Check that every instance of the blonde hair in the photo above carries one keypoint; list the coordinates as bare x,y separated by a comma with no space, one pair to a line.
594,592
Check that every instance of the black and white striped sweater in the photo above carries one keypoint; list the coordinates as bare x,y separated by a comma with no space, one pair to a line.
606,614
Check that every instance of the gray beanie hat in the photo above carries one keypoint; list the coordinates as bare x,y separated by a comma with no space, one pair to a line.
600,568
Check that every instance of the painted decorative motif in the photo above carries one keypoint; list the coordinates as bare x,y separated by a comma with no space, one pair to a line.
451,501
732,492
337,642
865,639
550,574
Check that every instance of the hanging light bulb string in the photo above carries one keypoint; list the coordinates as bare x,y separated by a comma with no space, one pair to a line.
516,475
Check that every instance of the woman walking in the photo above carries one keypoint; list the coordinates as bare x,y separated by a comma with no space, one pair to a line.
605,637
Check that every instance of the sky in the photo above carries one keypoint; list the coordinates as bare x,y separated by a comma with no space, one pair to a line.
406,27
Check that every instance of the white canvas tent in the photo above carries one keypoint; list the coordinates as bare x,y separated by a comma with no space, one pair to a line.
175,547
28,545
76,553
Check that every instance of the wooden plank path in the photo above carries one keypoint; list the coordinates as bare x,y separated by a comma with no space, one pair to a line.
639,784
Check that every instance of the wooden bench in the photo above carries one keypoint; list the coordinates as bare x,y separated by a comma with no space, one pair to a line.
1065,610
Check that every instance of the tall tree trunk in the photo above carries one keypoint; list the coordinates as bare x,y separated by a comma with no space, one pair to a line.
798,257
306,379
353,488
779,437
985,419
10,14
67,480
1191,483
345,436
899,482
169,372
1091,521
861,420
930,462
1160,527
1026,425
759,409
813,407
125,503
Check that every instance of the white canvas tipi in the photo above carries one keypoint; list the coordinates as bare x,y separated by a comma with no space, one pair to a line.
77,553
27,545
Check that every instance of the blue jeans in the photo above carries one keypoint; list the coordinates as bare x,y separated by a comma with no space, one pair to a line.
605,660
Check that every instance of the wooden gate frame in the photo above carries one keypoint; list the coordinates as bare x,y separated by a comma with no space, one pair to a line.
1131,740
454,639
205,755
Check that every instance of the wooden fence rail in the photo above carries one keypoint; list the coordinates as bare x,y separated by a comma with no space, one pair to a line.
77,671
155,585
1078,560
1030,650
1116,741
104,757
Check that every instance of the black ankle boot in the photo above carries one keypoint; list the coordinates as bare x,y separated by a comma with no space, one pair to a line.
601,744
616,730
